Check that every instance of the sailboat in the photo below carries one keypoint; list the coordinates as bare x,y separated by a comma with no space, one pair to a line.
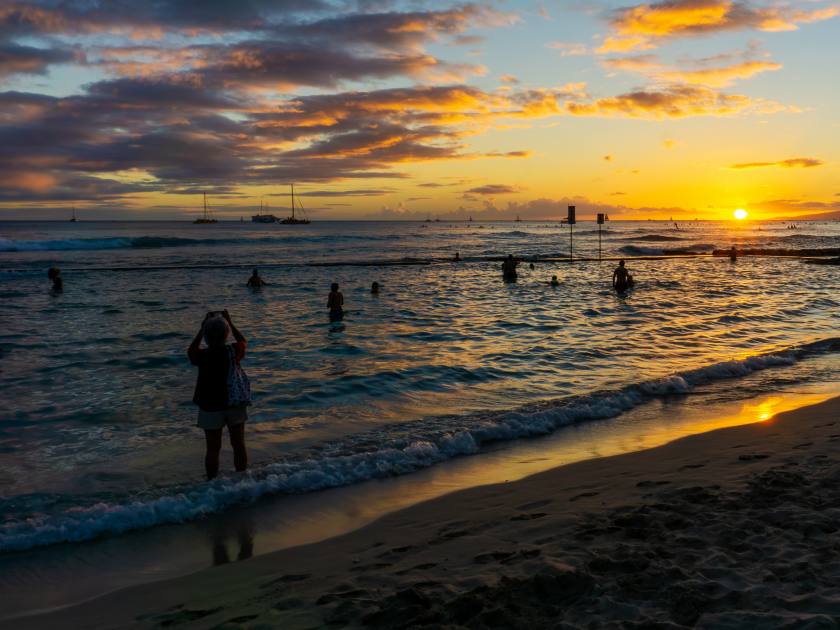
205,218
518,220
73,219
263,218
293,220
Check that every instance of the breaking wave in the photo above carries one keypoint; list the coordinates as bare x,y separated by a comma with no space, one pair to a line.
389,451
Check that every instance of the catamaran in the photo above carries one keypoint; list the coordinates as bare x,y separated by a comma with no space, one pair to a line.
206,217
263,218
293,220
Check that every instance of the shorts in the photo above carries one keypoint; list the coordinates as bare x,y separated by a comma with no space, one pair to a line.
218,419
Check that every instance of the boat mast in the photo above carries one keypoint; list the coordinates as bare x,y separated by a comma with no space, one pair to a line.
293,201
205,205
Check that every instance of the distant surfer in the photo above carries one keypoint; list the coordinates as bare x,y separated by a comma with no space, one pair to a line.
733,254
255,282
54,274
554,281
621,280
509,268
457,257
335,302
374,288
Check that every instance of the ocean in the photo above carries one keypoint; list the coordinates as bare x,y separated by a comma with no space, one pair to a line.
97,427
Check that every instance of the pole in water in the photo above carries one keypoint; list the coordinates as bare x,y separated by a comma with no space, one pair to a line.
600,223
571,220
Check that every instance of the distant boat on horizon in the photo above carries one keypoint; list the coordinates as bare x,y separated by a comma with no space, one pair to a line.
293,220
205,217
73,219
263,218
518,220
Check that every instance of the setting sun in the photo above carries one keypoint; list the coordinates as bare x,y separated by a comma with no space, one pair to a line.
740,214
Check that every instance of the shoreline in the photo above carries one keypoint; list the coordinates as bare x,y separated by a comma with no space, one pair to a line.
438,552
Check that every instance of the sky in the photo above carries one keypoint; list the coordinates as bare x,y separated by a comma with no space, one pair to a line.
407,110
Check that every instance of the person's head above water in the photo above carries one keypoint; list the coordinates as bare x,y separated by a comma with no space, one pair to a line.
53,273
216,331
374,288
255,272
334,286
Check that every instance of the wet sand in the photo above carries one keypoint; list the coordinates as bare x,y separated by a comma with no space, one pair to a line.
732,528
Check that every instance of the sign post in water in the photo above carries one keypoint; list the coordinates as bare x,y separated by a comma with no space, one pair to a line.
570,219
600,223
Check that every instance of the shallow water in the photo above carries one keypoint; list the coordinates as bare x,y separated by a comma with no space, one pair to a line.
97,430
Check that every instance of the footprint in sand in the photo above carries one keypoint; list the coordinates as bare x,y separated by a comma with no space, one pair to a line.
534,505
584,495
495,556
752,457
528,517
285,579
651,484
185,616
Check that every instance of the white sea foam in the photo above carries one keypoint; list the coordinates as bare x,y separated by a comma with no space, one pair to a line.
421,445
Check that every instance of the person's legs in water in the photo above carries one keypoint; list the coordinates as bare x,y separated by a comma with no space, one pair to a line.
237,442
214,446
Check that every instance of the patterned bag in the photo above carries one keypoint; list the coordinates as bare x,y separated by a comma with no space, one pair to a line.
238,385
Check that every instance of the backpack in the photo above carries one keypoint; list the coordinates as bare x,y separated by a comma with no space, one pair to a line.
238,385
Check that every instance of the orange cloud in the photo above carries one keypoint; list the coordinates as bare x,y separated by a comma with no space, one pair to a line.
677,101
643,26
791,163
723,76
28,181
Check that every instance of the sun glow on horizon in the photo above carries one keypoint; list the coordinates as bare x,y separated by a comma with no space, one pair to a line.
740,214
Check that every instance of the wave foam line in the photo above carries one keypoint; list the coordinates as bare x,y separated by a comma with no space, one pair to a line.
154,242
431,442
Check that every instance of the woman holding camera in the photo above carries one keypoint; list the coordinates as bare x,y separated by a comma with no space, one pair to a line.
222,391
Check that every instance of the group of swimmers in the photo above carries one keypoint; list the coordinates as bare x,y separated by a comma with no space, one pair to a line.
621,278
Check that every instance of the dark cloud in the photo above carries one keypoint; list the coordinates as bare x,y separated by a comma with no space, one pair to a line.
15,59
791,163
492,189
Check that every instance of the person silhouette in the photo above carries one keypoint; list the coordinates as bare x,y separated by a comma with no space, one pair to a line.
335,302
215,389
54,274
621,280
374,288
554,281
255,282
509,268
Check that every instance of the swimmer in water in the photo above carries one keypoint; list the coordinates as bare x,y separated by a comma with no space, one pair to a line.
335,302
54,274
374,288
733,254
554,281
457,257
621,280
509,268
531,266
255,282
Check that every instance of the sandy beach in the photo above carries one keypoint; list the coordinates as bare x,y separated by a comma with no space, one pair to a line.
731,528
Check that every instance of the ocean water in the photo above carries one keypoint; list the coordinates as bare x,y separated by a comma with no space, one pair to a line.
97,430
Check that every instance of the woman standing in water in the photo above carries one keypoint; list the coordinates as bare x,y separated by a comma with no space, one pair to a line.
222,391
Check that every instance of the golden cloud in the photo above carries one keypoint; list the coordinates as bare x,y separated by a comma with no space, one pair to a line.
643,26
